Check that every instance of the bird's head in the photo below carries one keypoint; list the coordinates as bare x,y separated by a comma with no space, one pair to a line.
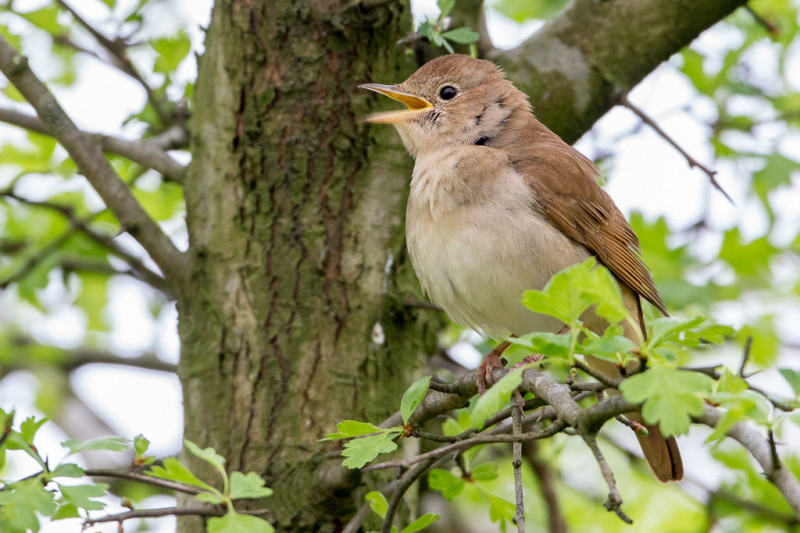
451,100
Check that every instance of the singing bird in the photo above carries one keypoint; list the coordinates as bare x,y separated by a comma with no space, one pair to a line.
499,204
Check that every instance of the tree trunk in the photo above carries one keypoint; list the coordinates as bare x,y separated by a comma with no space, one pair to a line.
294,315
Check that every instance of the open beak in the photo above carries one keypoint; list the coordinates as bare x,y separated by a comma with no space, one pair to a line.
415,104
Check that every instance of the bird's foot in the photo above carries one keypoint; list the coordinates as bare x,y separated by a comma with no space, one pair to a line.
484,374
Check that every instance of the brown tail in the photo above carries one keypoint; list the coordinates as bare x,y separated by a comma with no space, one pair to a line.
661,454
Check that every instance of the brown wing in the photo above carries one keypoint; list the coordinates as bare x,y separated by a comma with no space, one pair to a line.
564,183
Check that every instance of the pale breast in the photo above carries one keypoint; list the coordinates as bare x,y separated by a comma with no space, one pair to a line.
477,242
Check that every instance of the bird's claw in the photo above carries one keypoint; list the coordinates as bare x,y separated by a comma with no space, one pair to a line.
485,372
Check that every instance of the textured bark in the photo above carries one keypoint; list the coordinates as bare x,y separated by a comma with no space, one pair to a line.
575,66
293,317
295,218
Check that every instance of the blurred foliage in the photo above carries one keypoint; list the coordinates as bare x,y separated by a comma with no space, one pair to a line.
61,249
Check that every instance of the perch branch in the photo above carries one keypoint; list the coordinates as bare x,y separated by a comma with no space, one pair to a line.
516,458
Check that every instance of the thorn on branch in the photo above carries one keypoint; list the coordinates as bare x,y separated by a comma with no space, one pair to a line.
693,163
638,428
614,501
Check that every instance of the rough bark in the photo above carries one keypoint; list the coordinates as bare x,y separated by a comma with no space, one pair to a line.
292,317
576,65
295,218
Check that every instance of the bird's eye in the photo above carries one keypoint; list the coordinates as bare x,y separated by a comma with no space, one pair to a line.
448,92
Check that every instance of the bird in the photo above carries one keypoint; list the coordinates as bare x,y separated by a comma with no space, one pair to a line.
498,204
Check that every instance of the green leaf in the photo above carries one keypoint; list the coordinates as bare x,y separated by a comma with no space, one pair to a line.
140,445
739,406
174,470
484,472
113,444
352,428
671,397
29,427
462,35
420,523
377,502
766,342
729,382
444,480
233,522
362,450
171,51
545,343
210,456
214,498
64,511
445,6
80,495
248,486
792,377
573,290
67,470
523,10
494,398
19,503
500,510
413,397
612,345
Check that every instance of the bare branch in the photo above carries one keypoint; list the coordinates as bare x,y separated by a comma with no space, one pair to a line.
402,485
748,344
149,153
142,478
555,518
138,269
516,458
94,165
614,501
118,58
760,448
205,510
79,357
693,163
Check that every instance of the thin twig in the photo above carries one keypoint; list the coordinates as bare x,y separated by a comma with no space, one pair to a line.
555,518
401,486
355,523
206,510
149,153
118,58
142,478
637,428
93,164
605,380
516,453
549,431
748,344
693,163
614,501
139,269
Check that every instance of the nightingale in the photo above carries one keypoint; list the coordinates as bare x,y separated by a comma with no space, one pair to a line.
498,204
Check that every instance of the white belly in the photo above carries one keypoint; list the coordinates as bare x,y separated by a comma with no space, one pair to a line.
475,260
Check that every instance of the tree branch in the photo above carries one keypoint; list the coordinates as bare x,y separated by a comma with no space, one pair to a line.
118,58
94,165
760,448
614,501
138,269
516,458
149,153
573,75
693,163
87,356
205,510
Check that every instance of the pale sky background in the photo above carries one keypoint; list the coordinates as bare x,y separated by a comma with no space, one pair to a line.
648,175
